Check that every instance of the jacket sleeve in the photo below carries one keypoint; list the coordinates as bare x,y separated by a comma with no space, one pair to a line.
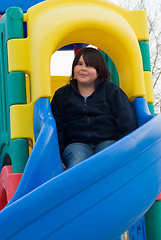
123,111
57,111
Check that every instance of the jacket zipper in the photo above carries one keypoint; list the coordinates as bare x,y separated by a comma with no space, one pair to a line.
88,118
85,102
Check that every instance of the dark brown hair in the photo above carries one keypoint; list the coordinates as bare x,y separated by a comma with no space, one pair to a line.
92,57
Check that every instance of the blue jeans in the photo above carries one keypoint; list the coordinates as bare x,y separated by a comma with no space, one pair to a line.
77,152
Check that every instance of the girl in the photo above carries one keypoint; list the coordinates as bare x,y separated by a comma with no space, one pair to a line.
91,113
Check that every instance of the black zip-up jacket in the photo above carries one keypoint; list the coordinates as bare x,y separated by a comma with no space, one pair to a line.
106,114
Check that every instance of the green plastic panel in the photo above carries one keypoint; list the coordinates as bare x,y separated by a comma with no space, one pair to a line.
12,91
144,47
151,108
153,222
111,66
16,84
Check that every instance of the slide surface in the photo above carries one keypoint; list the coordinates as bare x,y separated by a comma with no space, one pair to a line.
99,198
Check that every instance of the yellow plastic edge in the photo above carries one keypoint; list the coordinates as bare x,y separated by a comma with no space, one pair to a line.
18,55
58,81
22,121
149,86
136,18
100,26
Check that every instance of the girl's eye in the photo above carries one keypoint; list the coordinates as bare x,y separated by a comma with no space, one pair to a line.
79,63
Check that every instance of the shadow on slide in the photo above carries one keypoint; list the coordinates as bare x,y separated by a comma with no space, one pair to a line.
99,198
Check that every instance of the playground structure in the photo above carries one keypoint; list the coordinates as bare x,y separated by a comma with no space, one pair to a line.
81,202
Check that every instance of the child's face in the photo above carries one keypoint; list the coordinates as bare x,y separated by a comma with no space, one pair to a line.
86,75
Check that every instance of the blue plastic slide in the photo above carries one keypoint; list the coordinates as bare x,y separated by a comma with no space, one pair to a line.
98,199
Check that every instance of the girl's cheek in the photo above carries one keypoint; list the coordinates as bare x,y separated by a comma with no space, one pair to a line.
76,69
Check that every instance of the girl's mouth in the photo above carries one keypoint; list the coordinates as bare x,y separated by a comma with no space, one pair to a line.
83,75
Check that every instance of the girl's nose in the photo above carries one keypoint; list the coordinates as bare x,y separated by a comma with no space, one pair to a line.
84,67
